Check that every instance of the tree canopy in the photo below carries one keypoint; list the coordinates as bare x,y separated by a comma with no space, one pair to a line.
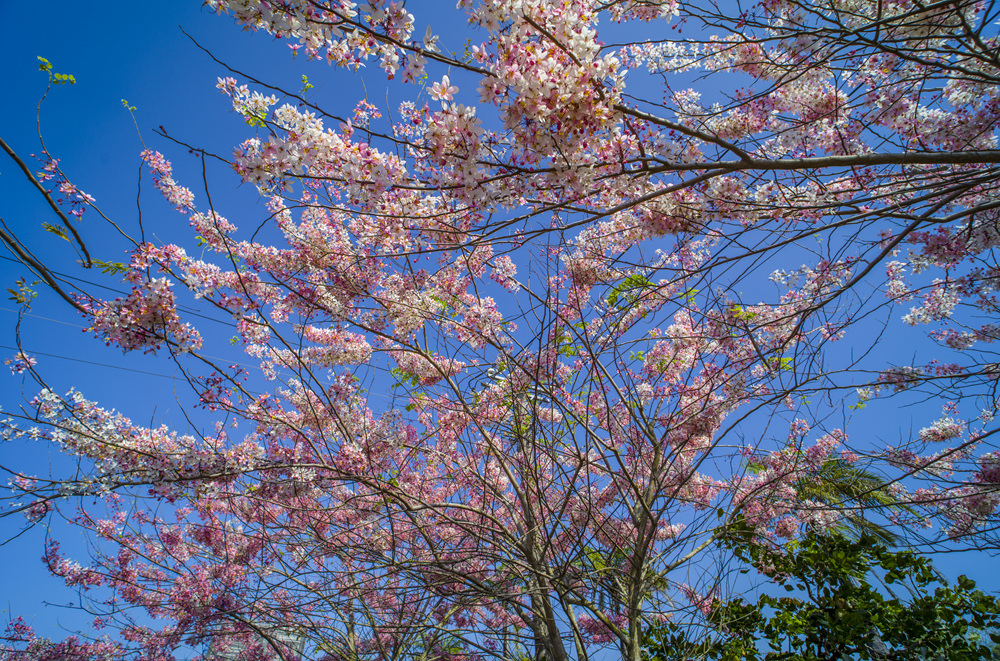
844,599
612,277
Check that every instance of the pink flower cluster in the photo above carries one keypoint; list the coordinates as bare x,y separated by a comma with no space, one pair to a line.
70,194
144,319
428,369
182,198
338,347
20,363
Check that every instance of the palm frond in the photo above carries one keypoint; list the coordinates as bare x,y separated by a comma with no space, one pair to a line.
838,483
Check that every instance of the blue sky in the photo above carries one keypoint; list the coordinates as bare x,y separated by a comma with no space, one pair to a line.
134,51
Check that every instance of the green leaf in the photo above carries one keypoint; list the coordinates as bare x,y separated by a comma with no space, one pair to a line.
110,268
55,229
689,295
24,293
57,78
630,289
837,607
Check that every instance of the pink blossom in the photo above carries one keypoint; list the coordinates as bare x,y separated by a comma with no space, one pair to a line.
443,91
20,362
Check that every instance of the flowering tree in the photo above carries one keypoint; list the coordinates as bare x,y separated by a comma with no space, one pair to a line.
614,316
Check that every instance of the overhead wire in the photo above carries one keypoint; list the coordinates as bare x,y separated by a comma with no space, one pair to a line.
81,327
88,362
183,308
129,369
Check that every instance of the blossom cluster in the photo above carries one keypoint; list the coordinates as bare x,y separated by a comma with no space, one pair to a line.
20,362
68,191
182,198
145,319
427,369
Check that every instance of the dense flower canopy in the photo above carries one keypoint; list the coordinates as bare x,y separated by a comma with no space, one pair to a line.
623,297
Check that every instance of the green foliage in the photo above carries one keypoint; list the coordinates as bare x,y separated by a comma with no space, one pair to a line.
607,569
57,78
741,313
55,229
24,293
565,345
403,377
110,268
832,611
448,308
629,289
690,295
839,483
783,364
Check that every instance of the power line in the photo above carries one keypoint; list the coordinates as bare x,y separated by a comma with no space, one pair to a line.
36,316
183,308
82,327
88,362
129,369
